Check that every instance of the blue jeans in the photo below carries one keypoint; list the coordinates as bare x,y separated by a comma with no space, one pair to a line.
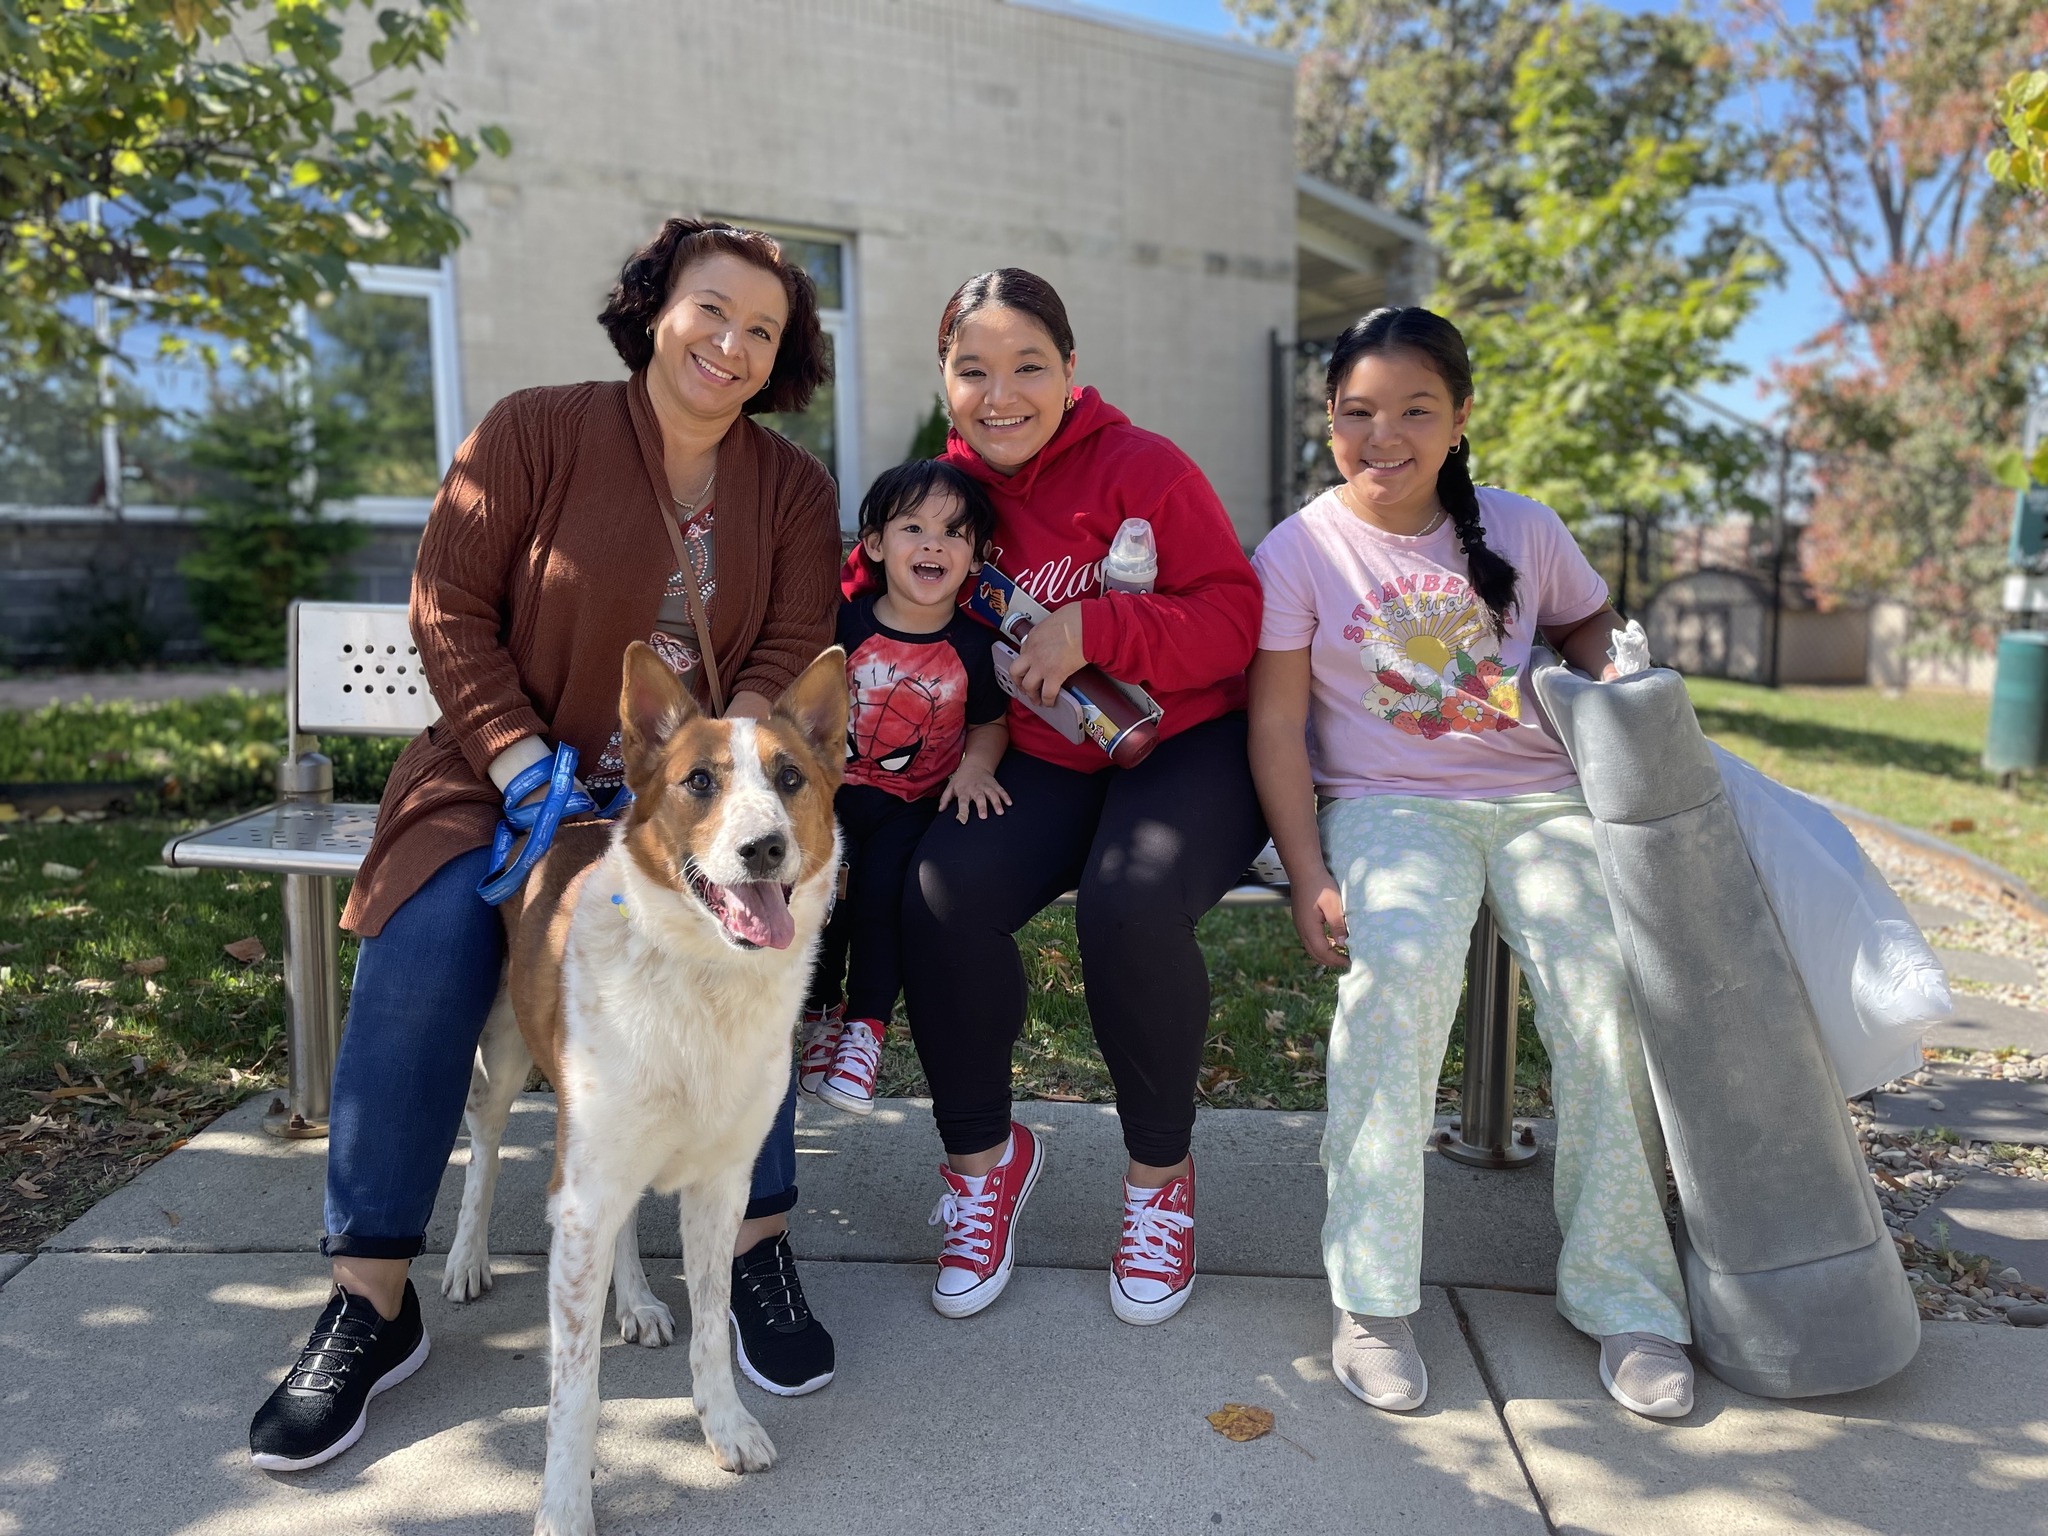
423,989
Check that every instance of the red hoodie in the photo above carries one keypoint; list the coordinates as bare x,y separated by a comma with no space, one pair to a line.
1188,641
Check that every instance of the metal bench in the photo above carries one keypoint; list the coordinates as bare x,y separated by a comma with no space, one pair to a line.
352,670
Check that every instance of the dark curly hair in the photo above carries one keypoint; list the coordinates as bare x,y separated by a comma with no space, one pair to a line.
649,277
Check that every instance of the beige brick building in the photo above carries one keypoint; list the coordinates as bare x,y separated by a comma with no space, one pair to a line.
1150,178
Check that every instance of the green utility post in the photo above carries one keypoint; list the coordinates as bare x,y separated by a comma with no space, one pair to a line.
2018,739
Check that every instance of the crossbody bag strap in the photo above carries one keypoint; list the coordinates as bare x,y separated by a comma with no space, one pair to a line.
698,616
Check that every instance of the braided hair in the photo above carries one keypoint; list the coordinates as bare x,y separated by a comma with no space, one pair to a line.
1438,343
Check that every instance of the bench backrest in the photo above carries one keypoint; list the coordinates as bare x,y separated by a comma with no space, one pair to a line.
355,672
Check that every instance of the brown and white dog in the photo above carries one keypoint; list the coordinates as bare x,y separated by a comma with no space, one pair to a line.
657,981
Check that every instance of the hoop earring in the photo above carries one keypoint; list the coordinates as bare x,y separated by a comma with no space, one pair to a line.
1464,447
1068,406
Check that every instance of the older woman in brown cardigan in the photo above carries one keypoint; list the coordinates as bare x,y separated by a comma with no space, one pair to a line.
545,555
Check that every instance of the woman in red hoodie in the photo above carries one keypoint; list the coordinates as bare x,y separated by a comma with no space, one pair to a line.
1150,848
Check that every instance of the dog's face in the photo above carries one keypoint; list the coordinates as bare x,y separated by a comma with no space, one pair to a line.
733,815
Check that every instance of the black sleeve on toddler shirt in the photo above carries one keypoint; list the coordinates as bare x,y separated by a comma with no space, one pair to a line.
975,643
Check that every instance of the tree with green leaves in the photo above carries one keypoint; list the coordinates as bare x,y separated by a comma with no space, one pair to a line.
1911,400
2021,108
214,162
1594,277
1398,101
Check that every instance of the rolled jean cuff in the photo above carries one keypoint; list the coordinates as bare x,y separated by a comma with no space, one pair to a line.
351,1245
770,1205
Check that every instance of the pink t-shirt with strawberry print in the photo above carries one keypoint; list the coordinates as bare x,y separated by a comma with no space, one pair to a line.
1411,692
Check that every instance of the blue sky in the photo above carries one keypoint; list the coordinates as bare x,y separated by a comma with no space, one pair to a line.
1786,316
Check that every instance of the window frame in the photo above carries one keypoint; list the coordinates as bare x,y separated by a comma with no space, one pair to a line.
434,284
842,324
437,286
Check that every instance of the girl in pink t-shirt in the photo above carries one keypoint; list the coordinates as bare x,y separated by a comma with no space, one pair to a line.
1390,684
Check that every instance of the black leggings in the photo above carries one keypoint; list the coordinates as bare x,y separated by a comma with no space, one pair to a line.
1150,849
863,942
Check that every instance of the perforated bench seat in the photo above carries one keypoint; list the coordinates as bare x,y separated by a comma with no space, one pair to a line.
303,838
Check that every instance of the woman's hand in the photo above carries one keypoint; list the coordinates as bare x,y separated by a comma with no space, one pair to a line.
975,786
1319,919
1050,655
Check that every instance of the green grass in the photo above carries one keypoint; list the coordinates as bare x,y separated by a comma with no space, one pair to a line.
193,755
103,1069
1913,758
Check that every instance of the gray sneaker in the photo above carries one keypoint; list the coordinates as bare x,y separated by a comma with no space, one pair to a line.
1647,1374
1376,1359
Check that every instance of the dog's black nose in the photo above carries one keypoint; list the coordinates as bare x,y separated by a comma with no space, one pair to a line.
764,855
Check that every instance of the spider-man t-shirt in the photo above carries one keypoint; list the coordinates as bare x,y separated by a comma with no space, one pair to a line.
911,698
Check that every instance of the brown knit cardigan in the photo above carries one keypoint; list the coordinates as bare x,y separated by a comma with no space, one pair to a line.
543,558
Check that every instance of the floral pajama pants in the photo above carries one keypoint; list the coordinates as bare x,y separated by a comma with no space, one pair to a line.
1413,872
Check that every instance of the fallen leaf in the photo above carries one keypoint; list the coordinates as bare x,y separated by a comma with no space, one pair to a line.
168,873
150,967
63,1075
55,871
1960,824
1062,1098
91,984
248,951
10,947
1241,1422
171,1217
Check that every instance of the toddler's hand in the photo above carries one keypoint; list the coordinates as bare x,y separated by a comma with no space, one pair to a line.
976,787
1319,920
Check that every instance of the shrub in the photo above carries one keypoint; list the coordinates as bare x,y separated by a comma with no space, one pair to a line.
267,465
198,755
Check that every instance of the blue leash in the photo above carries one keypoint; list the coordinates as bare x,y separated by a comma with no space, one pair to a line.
539,821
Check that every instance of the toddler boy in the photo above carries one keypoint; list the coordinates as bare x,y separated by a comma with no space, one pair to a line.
924,731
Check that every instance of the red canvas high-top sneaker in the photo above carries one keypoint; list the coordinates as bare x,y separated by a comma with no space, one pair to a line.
980,1217
1152,1273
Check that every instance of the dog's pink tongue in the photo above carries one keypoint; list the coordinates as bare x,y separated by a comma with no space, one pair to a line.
759,914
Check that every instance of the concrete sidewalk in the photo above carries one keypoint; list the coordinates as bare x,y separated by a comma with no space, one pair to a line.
135,1346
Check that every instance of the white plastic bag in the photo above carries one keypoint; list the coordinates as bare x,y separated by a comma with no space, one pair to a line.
1874,984
1629,650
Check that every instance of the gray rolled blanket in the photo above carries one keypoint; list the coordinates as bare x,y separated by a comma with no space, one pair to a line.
1792,1281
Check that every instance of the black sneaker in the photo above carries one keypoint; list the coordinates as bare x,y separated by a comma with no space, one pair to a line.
782,1348
319,1409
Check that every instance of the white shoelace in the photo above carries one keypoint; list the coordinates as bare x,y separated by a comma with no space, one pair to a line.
970,1225
859,1048
820,1037
1152,1236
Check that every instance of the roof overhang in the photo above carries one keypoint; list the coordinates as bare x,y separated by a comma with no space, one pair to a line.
1351,256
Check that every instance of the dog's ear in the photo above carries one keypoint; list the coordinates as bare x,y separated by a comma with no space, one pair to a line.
653,704
816,705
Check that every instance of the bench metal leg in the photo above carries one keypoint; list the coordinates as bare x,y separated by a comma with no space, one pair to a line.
312,987
1486,1135
312,1001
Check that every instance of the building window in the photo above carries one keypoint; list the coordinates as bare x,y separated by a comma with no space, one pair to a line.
830,427
383,354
